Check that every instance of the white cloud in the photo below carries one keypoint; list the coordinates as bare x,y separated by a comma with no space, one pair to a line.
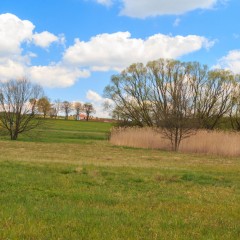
44,39
101,53
151,8
93,96
118,50
176,22
14,64
10,69
98,103
105,2
56,75
13,32
146,8
231,61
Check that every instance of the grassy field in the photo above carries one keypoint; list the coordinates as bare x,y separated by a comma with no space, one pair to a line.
71,131
65,181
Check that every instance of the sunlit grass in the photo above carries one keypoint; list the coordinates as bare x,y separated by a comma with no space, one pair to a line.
68,131
90,189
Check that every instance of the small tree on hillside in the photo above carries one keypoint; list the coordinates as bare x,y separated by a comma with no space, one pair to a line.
55,108
44,106
88,109
67,108
78,108
18,106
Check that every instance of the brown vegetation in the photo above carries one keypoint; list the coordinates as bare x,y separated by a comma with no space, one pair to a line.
207,142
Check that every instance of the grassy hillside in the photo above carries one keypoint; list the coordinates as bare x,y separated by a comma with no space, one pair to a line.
89,189
51,130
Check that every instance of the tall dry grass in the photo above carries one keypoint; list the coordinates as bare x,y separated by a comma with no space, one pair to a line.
208,142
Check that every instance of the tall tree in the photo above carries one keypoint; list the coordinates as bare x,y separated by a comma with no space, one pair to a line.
174,96
172,99
18,106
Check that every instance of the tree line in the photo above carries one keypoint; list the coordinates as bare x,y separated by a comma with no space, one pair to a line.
175,97
46,108
22,102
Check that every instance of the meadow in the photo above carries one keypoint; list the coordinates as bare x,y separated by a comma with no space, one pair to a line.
65,180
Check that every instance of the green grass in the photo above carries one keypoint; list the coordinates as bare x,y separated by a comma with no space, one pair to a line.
88,189
71,131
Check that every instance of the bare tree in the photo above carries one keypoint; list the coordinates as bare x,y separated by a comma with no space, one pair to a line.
88,109
78,108
55,108
18,106
44,106
53,111
67,108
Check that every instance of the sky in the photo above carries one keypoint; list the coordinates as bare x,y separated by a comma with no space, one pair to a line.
73,47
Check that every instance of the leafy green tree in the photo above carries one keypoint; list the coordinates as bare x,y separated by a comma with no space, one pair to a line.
175,97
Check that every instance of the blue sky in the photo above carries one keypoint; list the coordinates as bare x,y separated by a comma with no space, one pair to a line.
72,47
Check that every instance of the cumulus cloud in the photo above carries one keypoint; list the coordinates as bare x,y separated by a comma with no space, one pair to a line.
105,2
231,61
93,96
13,32
151,8
101,53
44,39
118,50
145,8
14,64
56,75
10,69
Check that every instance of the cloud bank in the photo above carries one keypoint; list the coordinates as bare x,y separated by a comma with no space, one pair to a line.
103,52
118,50
14,63
152,8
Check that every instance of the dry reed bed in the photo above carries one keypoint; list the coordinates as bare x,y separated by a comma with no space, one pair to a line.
207,142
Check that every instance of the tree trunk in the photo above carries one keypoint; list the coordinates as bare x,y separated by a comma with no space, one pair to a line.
14,136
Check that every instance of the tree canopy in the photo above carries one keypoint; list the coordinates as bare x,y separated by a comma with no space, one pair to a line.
176,97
